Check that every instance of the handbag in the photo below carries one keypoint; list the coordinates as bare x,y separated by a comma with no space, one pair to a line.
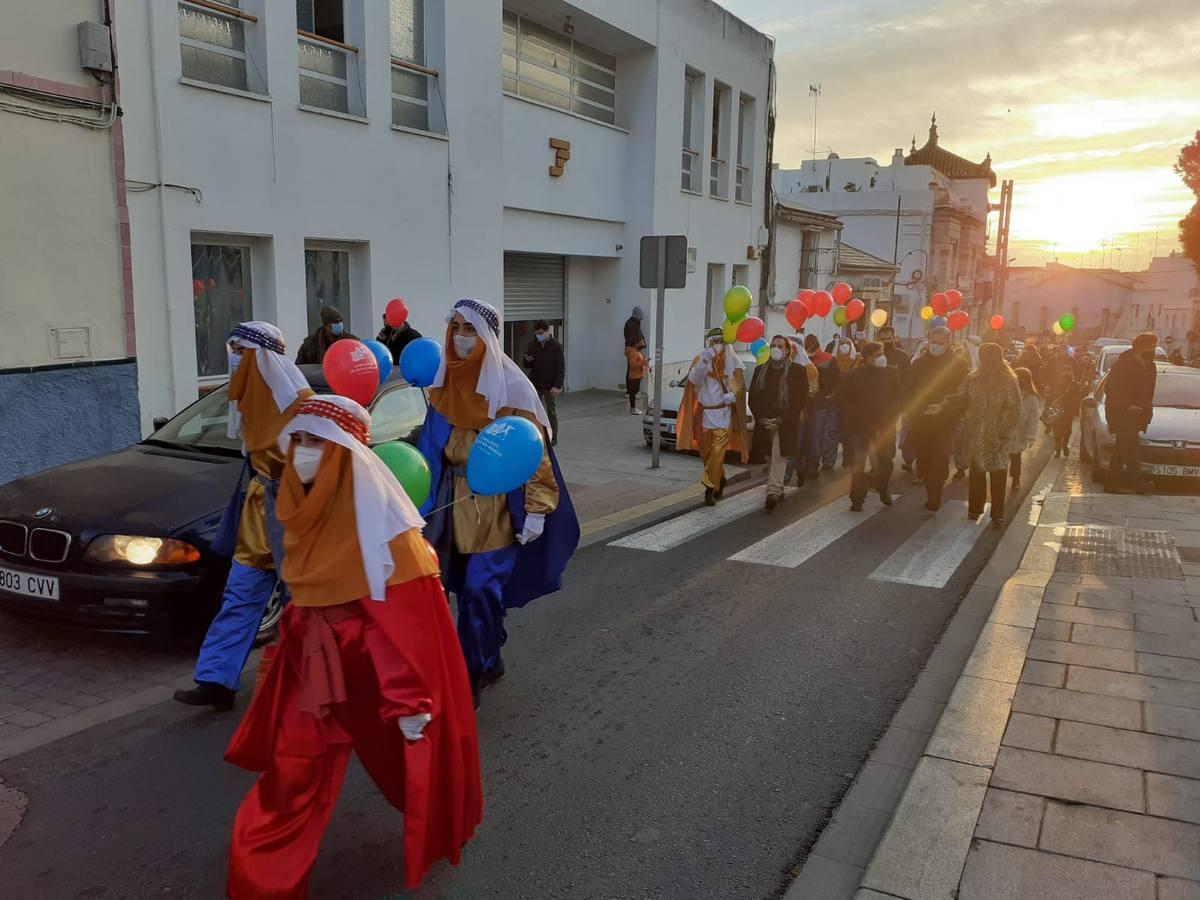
1052,413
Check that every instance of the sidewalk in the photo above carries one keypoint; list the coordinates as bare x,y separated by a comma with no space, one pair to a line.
1066,763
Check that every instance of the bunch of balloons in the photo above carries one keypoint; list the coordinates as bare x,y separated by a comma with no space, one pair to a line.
739,325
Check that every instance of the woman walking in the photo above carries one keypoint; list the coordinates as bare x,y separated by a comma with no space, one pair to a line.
1065,393
636,365
1025,432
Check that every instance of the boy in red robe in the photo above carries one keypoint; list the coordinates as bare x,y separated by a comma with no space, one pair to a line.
368,660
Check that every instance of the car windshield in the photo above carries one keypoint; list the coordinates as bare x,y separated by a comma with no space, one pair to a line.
1177,389
201,426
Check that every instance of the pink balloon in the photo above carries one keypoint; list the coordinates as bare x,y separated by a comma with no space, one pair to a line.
842,293
396,312
940,303
750,329
796,313
854,310
352,370
953,299
958,320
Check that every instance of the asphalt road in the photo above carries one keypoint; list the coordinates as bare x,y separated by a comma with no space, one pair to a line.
673,725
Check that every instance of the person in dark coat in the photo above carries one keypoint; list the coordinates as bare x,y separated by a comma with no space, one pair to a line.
547,369
1029,359
869,399
317,344
633,328
778,396
1128,409
396,339
935,376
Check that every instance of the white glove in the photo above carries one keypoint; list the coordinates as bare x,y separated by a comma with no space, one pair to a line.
535,523
706,355
729,398
412,726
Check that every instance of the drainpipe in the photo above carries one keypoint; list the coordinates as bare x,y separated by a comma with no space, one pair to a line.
767,257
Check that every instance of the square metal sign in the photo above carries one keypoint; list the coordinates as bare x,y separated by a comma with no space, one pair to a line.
665,253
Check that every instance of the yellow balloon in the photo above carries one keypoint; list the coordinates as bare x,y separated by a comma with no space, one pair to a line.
730,331
926,313
1057,329
879,318
764,353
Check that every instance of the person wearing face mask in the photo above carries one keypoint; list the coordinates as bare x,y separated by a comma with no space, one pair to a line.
778,395
1128,409
869,400
933,377
265,387
367,661
497,553
818,440
547,370
712,415
317,344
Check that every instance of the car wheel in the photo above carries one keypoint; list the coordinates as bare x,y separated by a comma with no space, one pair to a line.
268,628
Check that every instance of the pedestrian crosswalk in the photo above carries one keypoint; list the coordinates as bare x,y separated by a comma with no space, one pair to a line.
926,557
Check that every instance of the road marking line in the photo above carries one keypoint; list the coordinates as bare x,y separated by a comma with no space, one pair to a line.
931,556
794,545
673,532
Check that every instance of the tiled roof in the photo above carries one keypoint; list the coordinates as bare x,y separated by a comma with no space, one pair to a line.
853,258
949,164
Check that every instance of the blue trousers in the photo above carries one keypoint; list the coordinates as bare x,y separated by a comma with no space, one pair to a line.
820,444
478,581
231,634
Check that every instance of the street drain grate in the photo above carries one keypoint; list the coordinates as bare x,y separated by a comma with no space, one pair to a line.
1096,550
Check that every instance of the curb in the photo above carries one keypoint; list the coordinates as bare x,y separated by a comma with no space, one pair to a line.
914,804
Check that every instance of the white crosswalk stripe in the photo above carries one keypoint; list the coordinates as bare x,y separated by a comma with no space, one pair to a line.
933,553
797,543
674,532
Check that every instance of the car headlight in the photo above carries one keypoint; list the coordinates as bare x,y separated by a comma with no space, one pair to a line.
134,550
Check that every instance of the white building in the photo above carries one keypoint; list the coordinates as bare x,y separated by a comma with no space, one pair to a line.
343,152
927,210
1165,299
68,381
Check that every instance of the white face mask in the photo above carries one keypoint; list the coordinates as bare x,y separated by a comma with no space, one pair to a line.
234,360
881,361
777,354
464,344
937,349
306,461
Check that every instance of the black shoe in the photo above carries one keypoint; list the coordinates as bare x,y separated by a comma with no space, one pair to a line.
855,506
772,502
885,498
719,493
709,500
474,690
206,693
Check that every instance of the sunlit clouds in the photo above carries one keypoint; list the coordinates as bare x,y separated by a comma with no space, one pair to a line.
1083,103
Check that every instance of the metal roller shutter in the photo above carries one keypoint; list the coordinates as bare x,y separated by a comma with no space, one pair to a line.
534,287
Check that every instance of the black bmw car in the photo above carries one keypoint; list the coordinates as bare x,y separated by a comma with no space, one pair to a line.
121,541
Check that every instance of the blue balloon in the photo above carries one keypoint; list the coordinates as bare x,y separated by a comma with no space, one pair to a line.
757,345
383,356
420,360
504,456
937,322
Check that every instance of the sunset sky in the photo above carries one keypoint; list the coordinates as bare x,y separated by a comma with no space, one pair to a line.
1083,103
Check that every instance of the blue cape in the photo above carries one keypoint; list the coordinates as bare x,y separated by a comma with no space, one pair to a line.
540,564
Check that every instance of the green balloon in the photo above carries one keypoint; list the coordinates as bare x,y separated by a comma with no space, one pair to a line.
1067,322
839,316
763,354
410,468
738,300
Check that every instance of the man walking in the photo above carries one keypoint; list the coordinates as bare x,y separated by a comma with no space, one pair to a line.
712,414
317,344
869,398
778,396
547,370
934,377
1128,409
820,441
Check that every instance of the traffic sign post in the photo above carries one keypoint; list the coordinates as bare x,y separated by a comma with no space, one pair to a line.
663,265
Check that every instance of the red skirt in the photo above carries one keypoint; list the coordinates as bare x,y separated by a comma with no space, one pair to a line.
341,678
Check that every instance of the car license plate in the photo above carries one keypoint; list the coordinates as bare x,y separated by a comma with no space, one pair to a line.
27,584
1166,469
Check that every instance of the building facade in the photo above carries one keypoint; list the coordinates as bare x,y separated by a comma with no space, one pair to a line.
1165,300
68,380
340,153
927,211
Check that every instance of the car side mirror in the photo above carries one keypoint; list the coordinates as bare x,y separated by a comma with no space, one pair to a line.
159,422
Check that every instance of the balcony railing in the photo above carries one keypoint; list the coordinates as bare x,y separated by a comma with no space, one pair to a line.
324,72
415,97
212,43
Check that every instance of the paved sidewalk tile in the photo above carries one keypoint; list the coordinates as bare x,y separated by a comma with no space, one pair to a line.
1091,600
1172,797
1176,721
853,834
999,872
1133,687
1050,630
824,877
1047,674
1160,625
1105,617
1063,704
1122,639
1010,818
1178,889
973,724
1029,733
1168,666
1017,604
1150,752
999,653
1083,655
1077,780
923,850
1157,845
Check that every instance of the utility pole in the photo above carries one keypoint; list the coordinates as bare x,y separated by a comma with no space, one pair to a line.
814,91
895,263
1002,229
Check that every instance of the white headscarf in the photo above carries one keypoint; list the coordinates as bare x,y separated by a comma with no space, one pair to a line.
381,506
282,376
973,342
800,357
501,380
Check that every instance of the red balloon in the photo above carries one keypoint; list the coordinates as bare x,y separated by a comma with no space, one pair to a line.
352,370
822,303
796,313
396,312
958,320
197,287
997,323
806,295
953,299
750,329
940,303
854,310
842,293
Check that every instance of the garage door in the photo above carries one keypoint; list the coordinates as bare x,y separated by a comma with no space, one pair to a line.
534,287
